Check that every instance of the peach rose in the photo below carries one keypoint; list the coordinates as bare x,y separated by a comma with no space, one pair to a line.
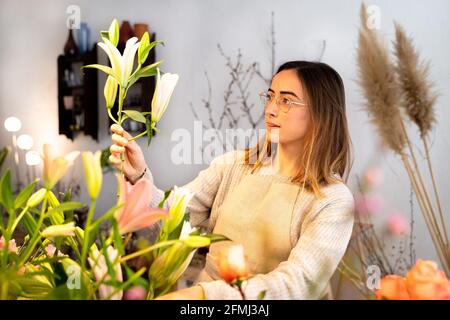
392,287
426,282
233,263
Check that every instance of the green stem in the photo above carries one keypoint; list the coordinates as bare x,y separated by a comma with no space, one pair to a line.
138,136
5,285
126,284
16,222
7,237
111,116
86,234
147,250
36,236
121,98
110,239
122,93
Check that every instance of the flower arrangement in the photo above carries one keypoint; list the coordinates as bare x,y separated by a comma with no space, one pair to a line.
58,259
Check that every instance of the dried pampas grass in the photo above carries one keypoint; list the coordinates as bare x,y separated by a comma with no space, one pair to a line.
380,87
418,97
418,101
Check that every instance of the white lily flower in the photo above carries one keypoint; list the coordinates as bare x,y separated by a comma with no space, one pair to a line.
181,199
122,66
165,85
186,230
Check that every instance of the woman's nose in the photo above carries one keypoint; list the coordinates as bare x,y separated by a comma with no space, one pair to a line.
272,109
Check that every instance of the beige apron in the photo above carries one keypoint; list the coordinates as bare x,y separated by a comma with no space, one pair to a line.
257,214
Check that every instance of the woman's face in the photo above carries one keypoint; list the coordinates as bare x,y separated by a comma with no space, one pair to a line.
292,126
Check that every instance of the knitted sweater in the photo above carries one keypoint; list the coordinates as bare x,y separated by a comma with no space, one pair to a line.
320,232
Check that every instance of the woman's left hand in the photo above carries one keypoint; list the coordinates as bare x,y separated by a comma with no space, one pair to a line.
192,293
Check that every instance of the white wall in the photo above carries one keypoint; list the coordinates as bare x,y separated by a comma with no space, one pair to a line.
33,33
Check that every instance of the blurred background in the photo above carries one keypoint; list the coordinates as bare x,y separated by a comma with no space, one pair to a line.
206,43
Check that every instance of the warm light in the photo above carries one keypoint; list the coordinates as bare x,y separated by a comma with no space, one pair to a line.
25,142
13,124
32,158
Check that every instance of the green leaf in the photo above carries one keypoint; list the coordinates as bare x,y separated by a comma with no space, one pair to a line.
109,214
154,43
135,115
67,195
166,195
133,279
66,206
92,235
24,195
113,32
3,154
117,239
139,281
144,48
6,195
105,69
215,237
109,263
29,223
261,295
149,70
175,234
104,35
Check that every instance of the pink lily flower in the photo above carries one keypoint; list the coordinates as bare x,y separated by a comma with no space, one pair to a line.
136,214
12,247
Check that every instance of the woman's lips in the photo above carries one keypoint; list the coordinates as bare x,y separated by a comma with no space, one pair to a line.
271,125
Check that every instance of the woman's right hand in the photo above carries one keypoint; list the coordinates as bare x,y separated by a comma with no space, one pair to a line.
134,161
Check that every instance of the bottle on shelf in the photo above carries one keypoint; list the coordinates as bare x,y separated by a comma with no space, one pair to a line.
70,48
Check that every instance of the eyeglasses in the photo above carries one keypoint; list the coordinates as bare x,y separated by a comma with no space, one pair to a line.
283,102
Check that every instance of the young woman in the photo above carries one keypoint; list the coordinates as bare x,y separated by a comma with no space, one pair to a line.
290,208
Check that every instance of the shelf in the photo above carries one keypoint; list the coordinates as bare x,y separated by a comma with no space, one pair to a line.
78,103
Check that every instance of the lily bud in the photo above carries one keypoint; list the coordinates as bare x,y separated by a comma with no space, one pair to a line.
62,230
110,91
163,92
36,198
93,173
